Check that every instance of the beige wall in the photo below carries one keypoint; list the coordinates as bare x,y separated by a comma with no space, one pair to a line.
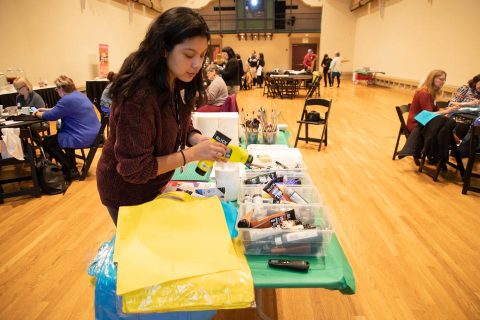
412,37
338,31
51,37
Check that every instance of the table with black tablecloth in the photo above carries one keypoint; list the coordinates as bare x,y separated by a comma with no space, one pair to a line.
95,89
48,94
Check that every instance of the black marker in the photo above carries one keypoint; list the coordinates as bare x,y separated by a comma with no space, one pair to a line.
296,265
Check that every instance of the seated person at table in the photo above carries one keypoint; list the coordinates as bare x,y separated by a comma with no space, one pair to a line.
217,91
26,96
468,95
435,137
424,98
106,100
79,126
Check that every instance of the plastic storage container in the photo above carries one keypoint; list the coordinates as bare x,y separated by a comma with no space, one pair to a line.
276,159
307,192
288,242
302,176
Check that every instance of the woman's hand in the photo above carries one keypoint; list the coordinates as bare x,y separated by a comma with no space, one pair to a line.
206,150
453,107
196,137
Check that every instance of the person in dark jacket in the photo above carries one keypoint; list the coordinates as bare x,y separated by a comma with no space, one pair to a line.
230,73
326,74
260,66
153,96
241,71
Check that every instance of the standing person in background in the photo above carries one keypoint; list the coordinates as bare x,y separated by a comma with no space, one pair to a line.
309,60
335,68
252,64
79,126
260,66
153,97
326,66
230,73
241,71
106,100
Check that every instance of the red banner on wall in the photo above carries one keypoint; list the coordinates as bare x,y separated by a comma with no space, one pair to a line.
102,60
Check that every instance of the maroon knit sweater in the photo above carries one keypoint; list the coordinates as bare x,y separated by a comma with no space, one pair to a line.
422,100
140,130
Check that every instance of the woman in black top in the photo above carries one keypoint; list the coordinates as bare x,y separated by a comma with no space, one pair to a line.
230,73
260,66
326,64
241,71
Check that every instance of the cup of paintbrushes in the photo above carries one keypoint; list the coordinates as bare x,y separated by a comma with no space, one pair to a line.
269,136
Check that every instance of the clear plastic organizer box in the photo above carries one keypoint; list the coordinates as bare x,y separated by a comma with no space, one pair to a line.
288,242
302,176
307,192
286,159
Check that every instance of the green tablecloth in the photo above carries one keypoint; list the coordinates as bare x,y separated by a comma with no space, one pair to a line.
189,174
330,272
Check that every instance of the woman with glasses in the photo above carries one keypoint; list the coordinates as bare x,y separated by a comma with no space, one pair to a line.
79,124
26,96
434,137
153,96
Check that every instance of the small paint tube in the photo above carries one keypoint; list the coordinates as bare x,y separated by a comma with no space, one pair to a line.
294,196
274,219
288,216
261,179
275,191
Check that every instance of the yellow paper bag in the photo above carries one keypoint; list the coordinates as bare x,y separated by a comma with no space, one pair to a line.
172,237
231,289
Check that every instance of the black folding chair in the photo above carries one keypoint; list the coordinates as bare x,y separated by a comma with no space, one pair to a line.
472,155
92,150
323,107
314,87
401,110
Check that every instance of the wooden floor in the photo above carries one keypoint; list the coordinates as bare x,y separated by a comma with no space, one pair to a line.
414,244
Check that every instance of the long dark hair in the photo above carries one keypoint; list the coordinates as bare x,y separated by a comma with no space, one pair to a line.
473,82
230,52
145,71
